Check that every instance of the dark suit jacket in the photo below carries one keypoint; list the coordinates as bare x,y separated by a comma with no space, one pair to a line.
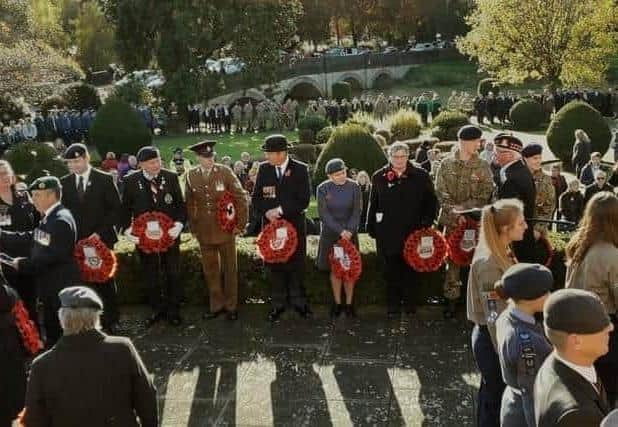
586,175
405,205
99,211
292,193
564,398
90,379
593,189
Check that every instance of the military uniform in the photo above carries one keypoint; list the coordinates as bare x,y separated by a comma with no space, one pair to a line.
237,117
462,184
545,199
247,116
218,247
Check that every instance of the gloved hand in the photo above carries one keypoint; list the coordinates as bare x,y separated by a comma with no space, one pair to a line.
175,231
130,237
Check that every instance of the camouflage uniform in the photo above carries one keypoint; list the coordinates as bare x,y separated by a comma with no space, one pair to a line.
545,199
237,117
247,116
380,107
260,117
465,185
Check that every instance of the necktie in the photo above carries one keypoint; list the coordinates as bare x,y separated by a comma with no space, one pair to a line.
154,188
278,173
80,187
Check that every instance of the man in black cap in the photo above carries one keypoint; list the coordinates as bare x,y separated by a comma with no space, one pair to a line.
51,246
567,389
89,378
93,199
154,189
516,181
282,190
545,199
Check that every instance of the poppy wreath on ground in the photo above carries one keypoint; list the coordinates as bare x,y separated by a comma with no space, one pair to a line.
226,212
152,230
29,334
549,250
277,242
345,261
97,263
462,241
425,250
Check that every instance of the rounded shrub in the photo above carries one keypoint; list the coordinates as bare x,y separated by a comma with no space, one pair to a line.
405,124
306,136
386,134
32,159
342,90
380,140
446,125
577,115
118,128
133,92
354,144
53,102
323,136
82,97
487,85
304,152
526,114
10,109
364,119
313,122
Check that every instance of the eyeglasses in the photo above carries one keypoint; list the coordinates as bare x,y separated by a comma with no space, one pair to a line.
601,178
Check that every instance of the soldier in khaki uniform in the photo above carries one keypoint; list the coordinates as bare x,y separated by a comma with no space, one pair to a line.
206,184
237,117
545,200
247,116
463,181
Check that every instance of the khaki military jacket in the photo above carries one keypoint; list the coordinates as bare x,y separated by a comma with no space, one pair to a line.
203,192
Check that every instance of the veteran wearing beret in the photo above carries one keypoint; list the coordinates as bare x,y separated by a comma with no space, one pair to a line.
282,191
545,199
154,189
567,389
89,378
50,247
463,181
205,186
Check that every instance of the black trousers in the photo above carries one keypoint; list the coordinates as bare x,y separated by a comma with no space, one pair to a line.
492,385
108,292
162,276
401,280
287,287
51,323
607,366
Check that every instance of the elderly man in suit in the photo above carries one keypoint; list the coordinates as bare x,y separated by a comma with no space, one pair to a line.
282,190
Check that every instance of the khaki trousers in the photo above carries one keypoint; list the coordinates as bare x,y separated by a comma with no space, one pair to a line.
217,261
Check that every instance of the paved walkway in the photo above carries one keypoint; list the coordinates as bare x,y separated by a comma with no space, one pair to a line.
366,372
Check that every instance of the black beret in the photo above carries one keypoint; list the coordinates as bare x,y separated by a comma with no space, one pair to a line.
79,297
334,165
204,148
469,133
274,143
508,142
75,151
147,153
45,183
532,150
8,298
525,281
575,311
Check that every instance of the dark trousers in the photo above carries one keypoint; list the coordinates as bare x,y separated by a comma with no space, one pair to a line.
287,287
108,292
492,385
607,367
51,323
401,281
162,275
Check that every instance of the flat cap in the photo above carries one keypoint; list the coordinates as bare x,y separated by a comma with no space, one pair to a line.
508,142
275,143
147,153
45,183
526,281
80,297
575,311
334,165
204,148
75,151
532,150
469,133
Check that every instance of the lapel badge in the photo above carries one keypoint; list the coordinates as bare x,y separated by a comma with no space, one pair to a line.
168,199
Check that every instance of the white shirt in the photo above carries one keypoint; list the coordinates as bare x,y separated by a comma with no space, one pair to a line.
86,176
588,372
51,208
283,166
504,168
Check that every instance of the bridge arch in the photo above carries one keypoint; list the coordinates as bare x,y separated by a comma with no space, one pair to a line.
382,79
252,94
354,79
304,88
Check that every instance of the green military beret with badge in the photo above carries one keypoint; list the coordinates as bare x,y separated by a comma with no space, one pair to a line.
45,183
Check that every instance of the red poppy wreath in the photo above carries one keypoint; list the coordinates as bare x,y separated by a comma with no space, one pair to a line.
152,230
462,242
425,250
226,212
277,242
97,263
345,261
27,329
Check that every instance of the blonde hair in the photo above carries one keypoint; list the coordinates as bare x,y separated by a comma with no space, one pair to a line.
503,213
580,135
364,175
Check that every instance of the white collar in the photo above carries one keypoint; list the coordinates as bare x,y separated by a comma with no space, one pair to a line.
148,176
51,208
588,372
283,166
86,175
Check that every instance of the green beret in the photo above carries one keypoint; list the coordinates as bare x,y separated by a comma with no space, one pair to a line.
45,183
79,297
575,311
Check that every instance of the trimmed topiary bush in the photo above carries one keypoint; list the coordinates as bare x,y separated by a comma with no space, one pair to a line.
487,85
10,109
306,136
323,136
82,97
405,124
304,152
118,128
133,92
31,160
526,114
53,102
342,90
314,122
446,125
364,119
577,115
356,145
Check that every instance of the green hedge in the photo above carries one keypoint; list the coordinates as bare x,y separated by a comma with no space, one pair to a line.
526,114
446,125
30,160
254,284
342,90
82,96
405,124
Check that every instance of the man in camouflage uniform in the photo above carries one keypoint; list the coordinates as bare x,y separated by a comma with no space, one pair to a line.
260,116
380,106
545,200
247,116
293,113
463,181
237,117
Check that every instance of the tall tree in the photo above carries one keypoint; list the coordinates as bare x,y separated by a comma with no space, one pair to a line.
559,41
94,37
315,23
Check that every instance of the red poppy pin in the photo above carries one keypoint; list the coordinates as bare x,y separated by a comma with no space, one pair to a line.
390,176
288,172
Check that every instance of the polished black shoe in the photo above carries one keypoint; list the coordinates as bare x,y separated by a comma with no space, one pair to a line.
335,311
275,314
175,320
349,311
305,312
209,315
232,315
155,318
